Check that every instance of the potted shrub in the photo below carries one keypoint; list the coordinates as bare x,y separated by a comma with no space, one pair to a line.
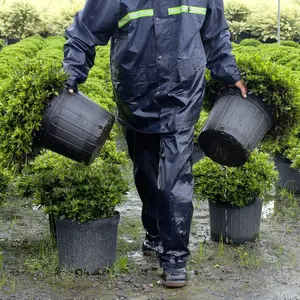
82,199
235,195
236,125
39,113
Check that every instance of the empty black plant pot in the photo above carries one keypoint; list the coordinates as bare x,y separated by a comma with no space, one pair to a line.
75,127
235,127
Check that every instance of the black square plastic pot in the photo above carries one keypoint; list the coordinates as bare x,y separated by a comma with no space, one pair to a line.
235,127
75,126
87,246
236,225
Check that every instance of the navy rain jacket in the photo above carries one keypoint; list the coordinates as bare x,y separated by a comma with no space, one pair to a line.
159,50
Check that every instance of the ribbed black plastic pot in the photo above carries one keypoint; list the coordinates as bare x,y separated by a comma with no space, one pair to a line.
236,225
87,246
235,127
75,127
289,178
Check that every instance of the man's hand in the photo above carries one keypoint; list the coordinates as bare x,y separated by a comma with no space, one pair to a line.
71,85
241,86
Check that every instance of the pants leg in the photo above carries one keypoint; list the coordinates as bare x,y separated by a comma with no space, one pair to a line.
143,150
163,177
176,185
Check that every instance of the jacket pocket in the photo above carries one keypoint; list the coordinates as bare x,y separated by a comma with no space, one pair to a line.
188,67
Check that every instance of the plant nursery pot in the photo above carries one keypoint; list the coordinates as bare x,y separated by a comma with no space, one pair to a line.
235,126
236,225
10,41
75,127
289,178
89,246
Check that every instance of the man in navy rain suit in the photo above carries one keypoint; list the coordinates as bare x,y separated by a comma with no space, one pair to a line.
159,51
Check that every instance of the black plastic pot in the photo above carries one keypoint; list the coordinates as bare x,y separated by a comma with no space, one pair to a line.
235,127
87,246
75,127
289,178
10,41
236,225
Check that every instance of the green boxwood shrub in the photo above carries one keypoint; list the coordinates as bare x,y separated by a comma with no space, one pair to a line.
20,19
236,11
236,14
279,54
290,44
292,152
250,42
235,185
263,24
23,100
13,56
68,189
52,49
291,149
65,18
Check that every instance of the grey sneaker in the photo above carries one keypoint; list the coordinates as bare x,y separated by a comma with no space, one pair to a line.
151,245
175,278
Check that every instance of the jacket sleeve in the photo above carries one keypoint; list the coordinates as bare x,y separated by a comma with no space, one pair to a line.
92,26
216,40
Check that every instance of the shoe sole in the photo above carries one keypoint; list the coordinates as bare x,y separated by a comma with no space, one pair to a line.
148,253
178,284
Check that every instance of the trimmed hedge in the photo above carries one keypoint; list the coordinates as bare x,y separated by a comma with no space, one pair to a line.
250,42
13,56
282,55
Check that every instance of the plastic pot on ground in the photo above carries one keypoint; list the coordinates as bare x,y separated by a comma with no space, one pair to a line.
236,225
89,246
